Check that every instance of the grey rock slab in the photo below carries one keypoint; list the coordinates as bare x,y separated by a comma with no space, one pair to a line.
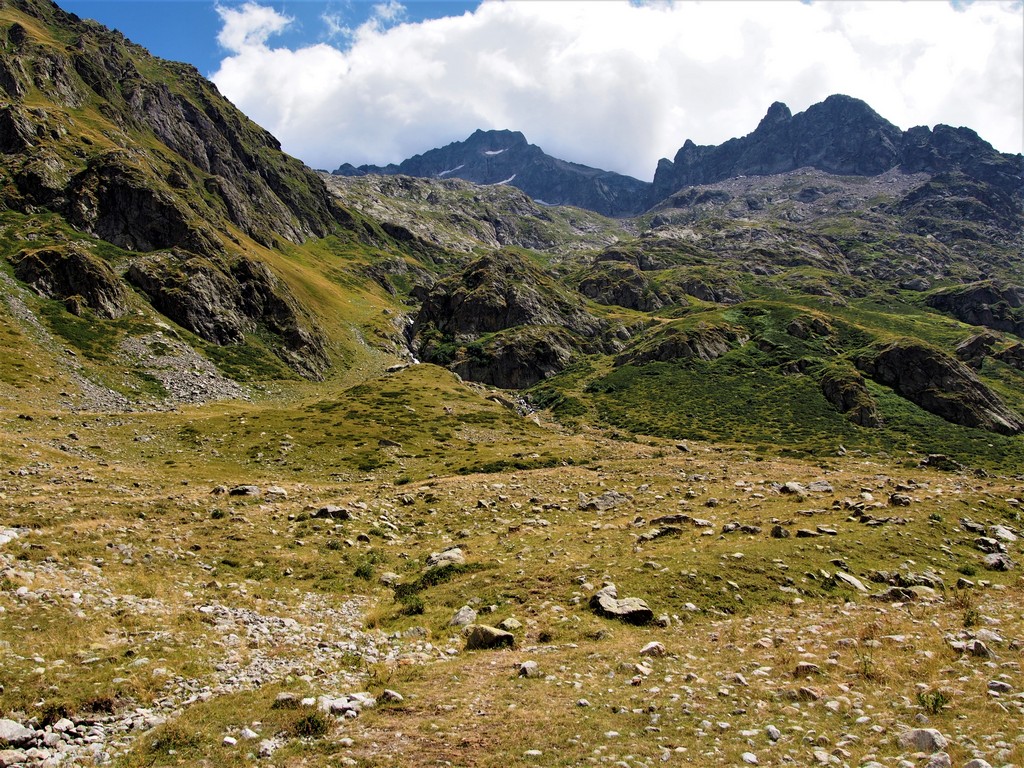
482,637
15,733
923,740
632,610
463,617
851,581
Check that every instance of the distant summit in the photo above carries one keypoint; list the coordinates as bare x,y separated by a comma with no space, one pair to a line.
506,157
843,136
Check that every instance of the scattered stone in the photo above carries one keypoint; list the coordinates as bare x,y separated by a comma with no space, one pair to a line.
900,500
653,648
463,617
794,488
977,763
245,490
510,624
849,580
602,503
939,760
332,512
482,637
923,740
391,697
778,532
806,533
450,556
229,741
806,669
1002,533
773,733
530,669
749,757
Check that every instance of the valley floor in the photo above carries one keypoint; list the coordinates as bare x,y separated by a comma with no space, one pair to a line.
807,613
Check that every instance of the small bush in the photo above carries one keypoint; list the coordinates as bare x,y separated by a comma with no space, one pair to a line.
364,571
313,724
933,702
967,570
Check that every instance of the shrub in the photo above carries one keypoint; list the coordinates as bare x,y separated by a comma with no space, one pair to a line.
313,724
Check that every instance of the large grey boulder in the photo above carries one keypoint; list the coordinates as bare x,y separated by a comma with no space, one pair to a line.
482,637
631,610
15,734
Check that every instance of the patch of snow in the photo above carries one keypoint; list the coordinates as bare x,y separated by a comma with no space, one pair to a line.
538,201
493,152
451,170
499,183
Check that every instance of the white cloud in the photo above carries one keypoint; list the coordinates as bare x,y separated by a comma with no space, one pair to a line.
249,26
617,85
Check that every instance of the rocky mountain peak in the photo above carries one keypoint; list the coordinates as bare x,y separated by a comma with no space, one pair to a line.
777,113
506,157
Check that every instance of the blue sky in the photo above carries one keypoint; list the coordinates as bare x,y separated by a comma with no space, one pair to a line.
612,84
186,30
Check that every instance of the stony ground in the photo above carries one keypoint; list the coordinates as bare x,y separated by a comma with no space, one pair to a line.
801,614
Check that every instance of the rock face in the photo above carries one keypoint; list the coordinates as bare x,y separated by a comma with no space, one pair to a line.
840,135
505,157
622,285
221,304
989,304
75,276
940,385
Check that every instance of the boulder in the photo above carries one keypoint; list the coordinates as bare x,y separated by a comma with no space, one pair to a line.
15,734
463,617
450,556
923,740
631,610
482,637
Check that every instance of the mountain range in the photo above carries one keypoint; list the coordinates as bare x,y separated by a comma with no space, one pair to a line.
841,136
136,196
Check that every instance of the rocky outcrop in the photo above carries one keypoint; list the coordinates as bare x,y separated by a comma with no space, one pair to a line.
846,390
518,357
973,351
505,157
75,276
498,291
502,321
1012,356
622,285
222,304
703,341
990,304
940,385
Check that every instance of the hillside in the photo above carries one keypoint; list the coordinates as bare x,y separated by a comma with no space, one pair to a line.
311,470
